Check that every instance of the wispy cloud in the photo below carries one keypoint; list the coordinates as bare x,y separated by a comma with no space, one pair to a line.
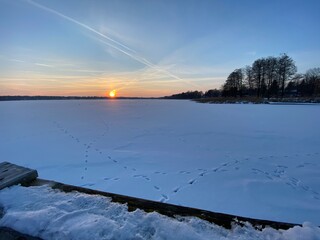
43,65
251,53
16,60
78,23
113,43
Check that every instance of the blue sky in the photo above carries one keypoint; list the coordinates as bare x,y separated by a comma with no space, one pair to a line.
146,47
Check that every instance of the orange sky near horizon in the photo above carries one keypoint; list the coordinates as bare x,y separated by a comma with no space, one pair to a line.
25,90
145,49
126,85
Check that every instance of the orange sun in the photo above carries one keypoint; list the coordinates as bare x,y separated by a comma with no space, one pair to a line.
112,93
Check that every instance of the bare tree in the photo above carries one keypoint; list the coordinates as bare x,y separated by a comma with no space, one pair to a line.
286,69
258,73
249,80
271,64
265,77
234,83
312,81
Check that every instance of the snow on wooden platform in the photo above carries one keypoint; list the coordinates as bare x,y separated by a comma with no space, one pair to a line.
11,174
166,209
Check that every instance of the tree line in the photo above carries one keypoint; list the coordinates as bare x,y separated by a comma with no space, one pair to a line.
269,77
272,77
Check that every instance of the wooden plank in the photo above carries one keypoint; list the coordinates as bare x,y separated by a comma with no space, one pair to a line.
11,234
11,174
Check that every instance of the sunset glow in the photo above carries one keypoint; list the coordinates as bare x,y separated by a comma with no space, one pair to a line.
112,93
75,52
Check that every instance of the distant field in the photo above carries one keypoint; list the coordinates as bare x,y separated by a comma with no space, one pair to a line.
260,161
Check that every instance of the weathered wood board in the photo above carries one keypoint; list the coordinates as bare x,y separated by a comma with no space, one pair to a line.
11,234
11,174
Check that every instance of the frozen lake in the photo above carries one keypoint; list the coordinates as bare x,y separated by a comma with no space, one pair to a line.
260,161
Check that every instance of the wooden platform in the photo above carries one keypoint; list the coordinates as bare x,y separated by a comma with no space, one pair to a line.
170,210
11,174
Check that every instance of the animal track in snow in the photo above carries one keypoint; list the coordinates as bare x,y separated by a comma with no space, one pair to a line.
279,173
203,173
164,198
87,185
114,179
157,172
176,189
192,181
142,176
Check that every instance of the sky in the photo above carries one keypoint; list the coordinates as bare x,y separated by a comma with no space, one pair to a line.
146,48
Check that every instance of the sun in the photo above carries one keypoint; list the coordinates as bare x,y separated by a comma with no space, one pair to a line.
112,93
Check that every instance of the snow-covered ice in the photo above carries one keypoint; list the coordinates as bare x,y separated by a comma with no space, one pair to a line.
51,214
259,161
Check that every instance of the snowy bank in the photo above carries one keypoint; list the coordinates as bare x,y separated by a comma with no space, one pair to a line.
51,214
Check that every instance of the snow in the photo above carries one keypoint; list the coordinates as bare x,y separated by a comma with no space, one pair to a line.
51,214
259,161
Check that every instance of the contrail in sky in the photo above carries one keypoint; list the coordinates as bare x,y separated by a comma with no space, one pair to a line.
115,44
78,23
